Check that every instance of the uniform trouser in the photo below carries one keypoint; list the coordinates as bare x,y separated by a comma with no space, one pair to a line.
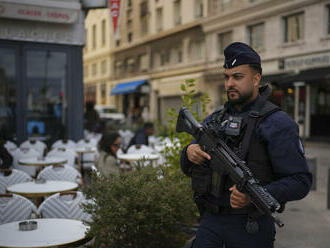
224,230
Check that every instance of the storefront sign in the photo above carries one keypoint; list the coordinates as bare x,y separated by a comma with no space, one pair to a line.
57,34
38,13
309,61
115,11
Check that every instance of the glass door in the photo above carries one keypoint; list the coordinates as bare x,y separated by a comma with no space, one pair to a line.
8,93
46,80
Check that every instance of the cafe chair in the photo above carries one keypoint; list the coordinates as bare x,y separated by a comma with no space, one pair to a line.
64,205
15,208
25,153
142,149
11,176
10,146
68,154
125,136
64,143
60,173
37,145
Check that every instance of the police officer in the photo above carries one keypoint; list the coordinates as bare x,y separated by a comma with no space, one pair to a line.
262,135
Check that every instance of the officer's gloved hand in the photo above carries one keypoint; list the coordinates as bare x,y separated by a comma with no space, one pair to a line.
196,155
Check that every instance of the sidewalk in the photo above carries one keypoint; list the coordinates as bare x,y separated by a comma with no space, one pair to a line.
307,222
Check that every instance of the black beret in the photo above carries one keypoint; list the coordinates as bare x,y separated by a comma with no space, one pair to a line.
239,53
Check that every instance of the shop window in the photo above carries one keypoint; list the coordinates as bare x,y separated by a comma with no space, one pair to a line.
294,27
256,36
224,39
8,92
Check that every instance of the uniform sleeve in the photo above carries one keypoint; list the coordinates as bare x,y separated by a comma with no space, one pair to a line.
293,179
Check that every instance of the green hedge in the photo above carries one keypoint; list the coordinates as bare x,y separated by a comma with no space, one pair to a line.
146,208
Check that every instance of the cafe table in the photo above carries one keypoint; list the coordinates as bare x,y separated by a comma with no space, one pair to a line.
40,188
43,233
136,157
46,161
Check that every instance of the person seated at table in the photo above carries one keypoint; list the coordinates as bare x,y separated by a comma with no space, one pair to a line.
108,146
141,136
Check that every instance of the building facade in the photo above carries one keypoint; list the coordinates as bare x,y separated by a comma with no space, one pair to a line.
96,58
41,87
293,39
158,46
161,43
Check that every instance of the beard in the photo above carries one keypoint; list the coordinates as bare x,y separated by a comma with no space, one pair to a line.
242,99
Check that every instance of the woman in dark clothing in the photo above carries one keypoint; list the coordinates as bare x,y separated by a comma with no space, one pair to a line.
108,146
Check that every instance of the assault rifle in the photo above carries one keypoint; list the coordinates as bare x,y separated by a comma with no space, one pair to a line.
227,161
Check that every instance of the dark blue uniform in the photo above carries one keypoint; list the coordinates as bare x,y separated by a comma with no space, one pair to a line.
293,180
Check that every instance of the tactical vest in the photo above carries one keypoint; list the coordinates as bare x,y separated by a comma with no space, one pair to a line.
246,145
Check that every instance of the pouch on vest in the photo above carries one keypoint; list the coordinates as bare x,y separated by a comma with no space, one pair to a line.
201,179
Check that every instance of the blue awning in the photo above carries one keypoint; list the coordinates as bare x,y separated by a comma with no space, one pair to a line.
126,88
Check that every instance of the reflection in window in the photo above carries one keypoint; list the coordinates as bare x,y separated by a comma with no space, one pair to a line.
46,80
294,27
7,94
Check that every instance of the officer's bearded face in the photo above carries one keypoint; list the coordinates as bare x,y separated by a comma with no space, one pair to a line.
240,84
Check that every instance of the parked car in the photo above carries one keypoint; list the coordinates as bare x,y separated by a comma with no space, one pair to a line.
108,112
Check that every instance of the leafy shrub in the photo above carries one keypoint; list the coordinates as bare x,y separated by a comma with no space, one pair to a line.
189,100
145,208
150,206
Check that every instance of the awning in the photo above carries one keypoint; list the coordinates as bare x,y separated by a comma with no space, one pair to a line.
308,76
126,88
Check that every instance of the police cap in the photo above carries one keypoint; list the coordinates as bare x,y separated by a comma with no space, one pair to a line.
239,53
